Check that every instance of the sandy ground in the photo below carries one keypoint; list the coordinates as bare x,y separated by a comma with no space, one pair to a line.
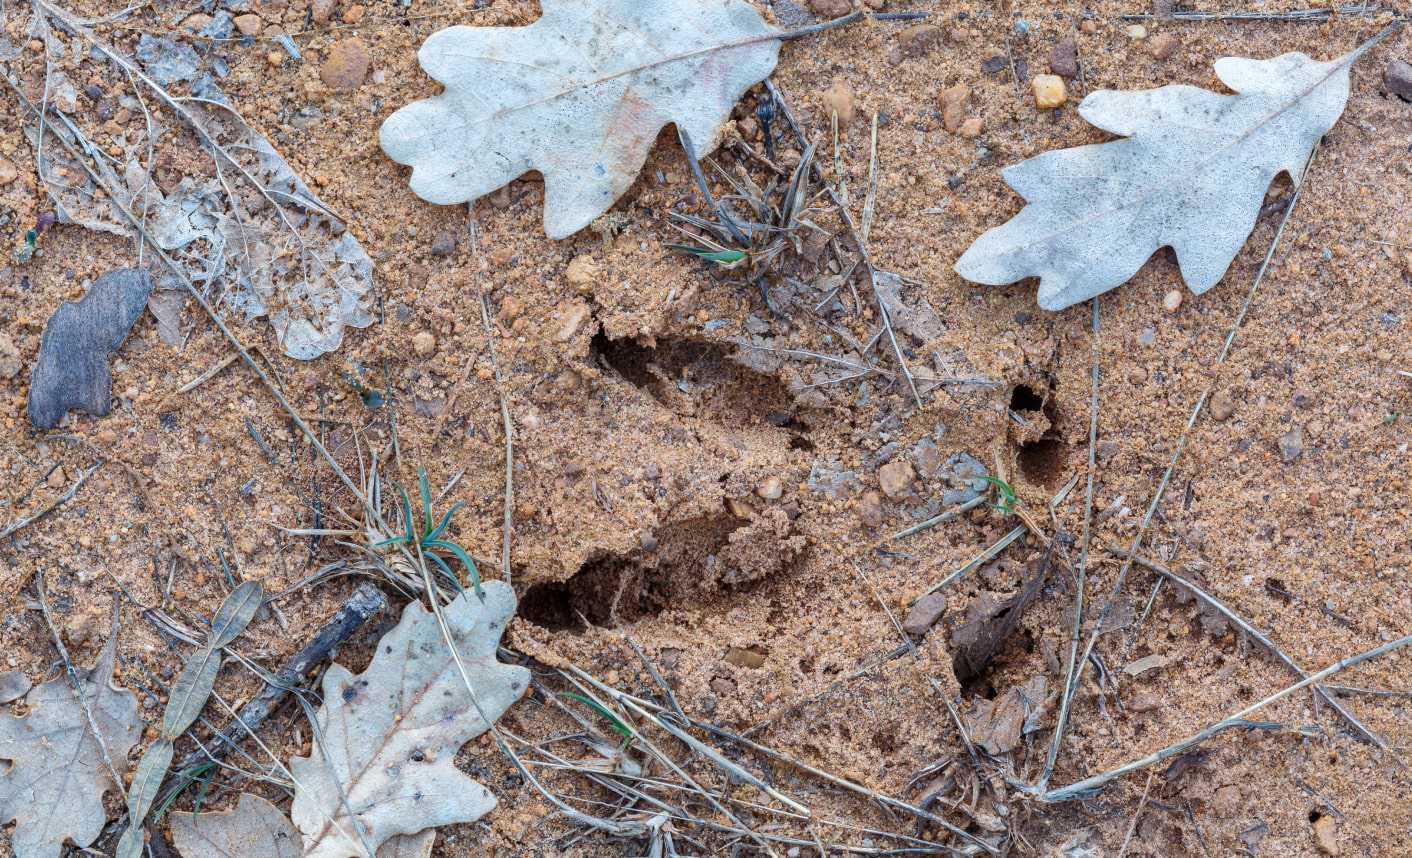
642,434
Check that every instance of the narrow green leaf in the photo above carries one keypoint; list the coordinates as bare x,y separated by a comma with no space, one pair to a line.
465,560
445,520
236,613
623,729
426,501
407,513
447,571
1006,492
725,257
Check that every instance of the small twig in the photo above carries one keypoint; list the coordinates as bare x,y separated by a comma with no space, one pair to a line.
366,602
1089,786
995,548
68,495
1263,640
1137,814
944,517
870,199
1313,15
209,374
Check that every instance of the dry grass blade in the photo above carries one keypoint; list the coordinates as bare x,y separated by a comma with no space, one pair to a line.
1320,692
1090,785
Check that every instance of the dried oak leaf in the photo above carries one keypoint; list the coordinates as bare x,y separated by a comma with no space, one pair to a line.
389,736
56,776
1190,173
254,828
579,95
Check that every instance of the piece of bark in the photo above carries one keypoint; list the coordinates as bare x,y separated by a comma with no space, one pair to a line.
989,624
72,370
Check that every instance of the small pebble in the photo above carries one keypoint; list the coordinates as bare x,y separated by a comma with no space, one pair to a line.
582,272
924,613
571,318
346,65
1064,59
1222,405
953,106
249,25
57,478
10,363
1049,91
321,10
830,8
1136,31
1089,27
444,244
1397,79
919,39
1163,46
354,14
424,343
1292,444
8,172
1172,301
771,488
895,478
971,127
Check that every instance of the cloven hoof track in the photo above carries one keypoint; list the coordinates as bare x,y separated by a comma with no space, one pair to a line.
698,378
615,589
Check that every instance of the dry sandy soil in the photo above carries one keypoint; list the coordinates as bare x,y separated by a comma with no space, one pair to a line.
649,445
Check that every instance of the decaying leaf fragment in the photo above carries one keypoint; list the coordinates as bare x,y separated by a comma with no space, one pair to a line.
1190,173
579,95
389,735
239,222
54,784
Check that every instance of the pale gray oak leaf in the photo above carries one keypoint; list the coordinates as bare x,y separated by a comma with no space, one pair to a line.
579,95
1190,173
254,828
389,736
53,785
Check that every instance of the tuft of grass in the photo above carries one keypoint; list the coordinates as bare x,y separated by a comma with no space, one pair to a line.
754,226
430,539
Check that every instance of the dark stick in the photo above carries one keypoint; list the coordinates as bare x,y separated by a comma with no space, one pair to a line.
365,602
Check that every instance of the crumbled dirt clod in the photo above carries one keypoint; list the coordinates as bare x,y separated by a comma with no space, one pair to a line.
840,99
1163,46
346,65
